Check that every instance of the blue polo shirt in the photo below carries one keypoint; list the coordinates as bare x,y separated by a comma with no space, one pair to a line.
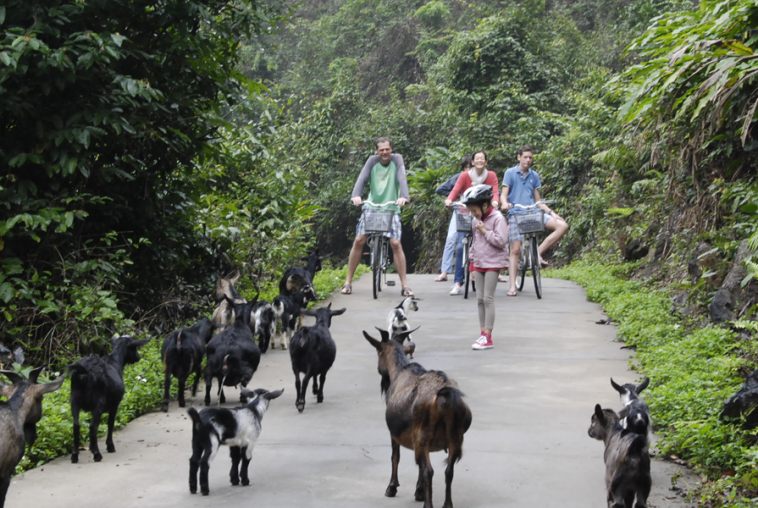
521,186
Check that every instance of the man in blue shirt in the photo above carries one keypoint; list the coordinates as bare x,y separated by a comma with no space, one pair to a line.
521,185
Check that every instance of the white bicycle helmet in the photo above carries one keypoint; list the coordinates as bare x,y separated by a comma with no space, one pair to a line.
477,195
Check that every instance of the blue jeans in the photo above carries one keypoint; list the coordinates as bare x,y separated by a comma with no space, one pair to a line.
447,254
459,268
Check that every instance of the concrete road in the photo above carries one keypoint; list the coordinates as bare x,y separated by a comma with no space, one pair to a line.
531,398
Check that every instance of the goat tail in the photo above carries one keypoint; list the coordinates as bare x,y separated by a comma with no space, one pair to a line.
195,416
456,415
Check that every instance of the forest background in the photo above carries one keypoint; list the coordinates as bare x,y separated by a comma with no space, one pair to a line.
148,147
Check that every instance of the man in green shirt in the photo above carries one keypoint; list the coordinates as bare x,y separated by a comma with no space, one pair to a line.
385,173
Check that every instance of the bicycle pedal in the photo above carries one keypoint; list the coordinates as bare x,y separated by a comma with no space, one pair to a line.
389,282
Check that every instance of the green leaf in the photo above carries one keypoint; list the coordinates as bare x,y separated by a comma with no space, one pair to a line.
2,15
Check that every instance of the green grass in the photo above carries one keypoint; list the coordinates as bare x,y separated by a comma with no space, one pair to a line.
693,369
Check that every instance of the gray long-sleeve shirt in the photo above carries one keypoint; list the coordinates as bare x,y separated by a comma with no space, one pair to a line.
365,173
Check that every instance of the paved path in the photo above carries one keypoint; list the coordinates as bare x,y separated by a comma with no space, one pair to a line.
531,398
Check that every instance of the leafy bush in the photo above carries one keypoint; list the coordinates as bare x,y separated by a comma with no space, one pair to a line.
693,370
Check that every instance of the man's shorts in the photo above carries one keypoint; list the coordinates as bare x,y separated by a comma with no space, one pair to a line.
396,228
514,233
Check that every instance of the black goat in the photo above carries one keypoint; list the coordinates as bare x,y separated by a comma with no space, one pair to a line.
312,352
238,428
295,279
182,354
635,415
97,386
18,420
232,355
288,308
425,413
627,460
265,324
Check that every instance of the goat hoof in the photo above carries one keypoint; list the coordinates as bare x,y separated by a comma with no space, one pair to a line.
235,481
181,404
205,492
419,495
164,408
320,399
98,457
300,406
245,482
74,458
391,491
193,490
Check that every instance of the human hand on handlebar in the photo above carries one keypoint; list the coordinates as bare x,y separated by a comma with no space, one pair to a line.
448,203
401,201
356,200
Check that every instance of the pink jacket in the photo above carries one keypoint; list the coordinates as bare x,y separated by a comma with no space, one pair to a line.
489,250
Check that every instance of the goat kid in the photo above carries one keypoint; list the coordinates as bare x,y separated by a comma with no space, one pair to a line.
232,355
312,352
627,460
397,322
425,413
635,416
287,308
237,428
182,354
18,420
97,386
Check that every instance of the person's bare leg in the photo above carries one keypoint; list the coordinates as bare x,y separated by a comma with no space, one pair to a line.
558,228
513,261
399,258
355,257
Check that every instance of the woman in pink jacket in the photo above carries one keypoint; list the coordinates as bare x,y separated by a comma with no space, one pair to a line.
488,256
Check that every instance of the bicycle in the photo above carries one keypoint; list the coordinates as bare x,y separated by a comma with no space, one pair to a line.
377,222
463,219
530,224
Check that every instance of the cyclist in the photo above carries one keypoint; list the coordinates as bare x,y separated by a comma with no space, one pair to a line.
385,173
478,174
521,186
449,252
488,256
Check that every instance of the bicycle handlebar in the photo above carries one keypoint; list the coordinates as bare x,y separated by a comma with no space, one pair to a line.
379,205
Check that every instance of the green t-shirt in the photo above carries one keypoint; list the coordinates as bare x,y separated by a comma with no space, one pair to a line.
383,185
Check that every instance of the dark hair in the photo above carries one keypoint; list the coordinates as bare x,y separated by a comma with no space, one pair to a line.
465,162
382,140
525,148
481,152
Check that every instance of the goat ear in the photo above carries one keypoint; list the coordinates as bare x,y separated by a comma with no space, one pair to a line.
400,336
54,384
617,387
34,374
338,311
384,333
643,384
273,395
599,413
372,341
14,376
138,343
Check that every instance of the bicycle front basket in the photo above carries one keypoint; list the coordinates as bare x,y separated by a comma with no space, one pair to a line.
377,221
463,222
530,222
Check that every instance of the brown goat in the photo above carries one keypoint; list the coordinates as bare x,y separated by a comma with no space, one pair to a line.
425,413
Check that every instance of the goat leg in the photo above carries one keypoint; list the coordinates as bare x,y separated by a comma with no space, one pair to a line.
182,380
93,425
198,373
5,482
320,394
394,484
208,383
111,423
77,434
245,465
449,482
300,404
204,467
194,465
234,453
166,389
426,473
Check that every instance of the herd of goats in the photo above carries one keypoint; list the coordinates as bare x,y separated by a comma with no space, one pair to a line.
425,410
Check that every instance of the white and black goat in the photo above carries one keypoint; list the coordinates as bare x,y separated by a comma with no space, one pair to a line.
635,415
397,322
182,354
237,428
627,460
312,352
232,355
265,324
97,386
18,420
288,308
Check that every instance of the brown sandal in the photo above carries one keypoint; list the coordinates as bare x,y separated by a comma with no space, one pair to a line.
406,291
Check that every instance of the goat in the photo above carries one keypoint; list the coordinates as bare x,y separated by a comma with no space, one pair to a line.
97,386
635,416
18,420
627,460
265,324
237,428
425,413
397,321
226,294
295,279
182,354
287,308
312,352
232,355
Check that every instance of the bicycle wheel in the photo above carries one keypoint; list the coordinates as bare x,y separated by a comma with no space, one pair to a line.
376,264
383,264
465,261
536,273
523,265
